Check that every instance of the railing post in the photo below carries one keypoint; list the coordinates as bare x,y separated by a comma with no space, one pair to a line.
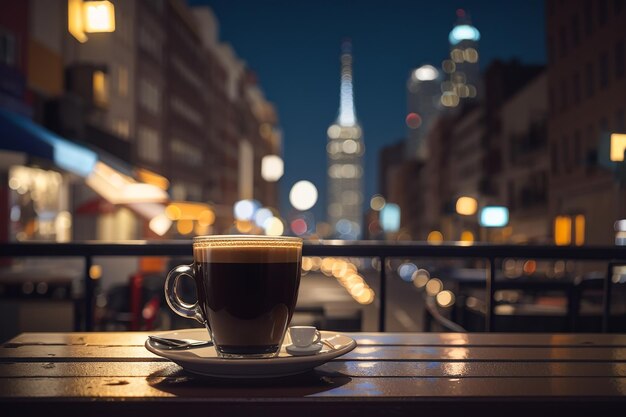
89,295
490,290
606,299
382,294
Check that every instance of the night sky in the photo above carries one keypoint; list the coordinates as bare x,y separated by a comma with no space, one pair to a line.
294,48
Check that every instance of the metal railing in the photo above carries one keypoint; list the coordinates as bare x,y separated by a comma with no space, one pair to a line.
613,255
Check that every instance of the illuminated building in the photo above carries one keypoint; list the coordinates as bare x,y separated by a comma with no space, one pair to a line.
586,89
423,106
345,150
463,73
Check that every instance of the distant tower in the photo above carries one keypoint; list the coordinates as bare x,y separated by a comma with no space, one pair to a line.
345,160
463,81
423,106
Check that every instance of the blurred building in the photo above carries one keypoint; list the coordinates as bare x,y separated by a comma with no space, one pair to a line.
345,149
157,104
524,178
423,106
587,85
463,81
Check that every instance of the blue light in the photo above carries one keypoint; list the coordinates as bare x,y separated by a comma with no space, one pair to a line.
390,217
65,154
494,216
463,32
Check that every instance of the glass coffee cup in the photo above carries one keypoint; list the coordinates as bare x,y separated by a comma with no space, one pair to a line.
247,288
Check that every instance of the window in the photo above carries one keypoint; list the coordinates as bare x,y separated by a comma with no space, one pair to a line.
576,88
588,17
619,59
589,79
186,153
149,96
122,81
575,30
186,111
8,49
603,11
148,144
121,127
151,43
100,88
604,70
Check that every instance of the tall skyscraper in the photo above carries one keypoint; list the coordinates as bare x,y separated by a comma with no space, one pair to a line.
423,106
463,81
345,150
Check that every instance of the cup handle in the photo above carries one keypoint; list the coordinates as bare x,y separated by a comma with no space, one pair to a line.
318,337
190,311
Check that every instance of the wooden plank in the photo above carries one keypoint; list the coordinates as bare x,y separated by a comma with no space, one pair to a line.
372,369
470,354
373,339
81,353
311,385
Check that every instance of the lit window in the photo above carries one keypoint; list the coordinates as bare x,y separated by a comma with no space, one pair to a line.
100,89
148,144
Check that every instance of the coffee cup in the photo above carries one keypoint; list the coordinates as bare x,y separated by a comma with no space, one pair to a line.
304,336
247,288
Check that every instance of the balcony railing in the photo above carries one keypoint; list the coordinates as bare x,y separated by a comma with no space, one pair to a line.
491,254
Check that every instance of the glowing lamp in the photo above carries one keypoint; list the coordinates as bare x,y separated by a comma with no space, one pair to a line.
390,217
463,32
426,73
466,206
89,17
272,168
618,146
494,216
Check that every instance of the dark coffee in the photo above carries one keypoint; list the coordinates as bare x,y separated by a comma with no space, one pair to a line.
248,304
247,291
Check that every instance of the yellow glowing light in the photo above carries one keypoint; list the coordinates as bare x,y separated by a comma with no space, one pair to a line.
445,298
327,266
243,226
201,229
366,297
273,226
184,227
618,146
99,16
435,237
467,236
272,168
434,286
173,212
339,268
562,230
206,218
75,20
377,202
95,272
152,178
307,263
100,88
466,206
160,224
579,227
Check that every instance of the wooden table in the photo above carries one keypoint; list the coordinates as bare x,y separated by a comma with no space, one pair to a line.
388,374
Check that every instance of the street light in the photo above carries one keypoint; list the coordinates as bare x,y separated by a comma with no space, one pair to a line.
89,17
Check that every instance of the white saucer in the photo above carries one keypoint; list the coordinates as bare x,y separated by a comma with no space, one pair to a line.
306,350
204,360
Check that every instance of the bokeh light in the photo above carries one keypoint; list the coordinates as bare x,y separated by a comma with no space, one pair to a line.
413,120
434,286
273,226
303,195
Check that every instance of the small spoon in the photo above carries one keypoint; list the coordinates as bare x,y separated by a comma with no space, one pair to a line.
171,343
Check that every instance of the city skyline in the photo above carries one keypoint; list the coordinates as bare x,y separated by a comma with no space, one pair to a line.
299,76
